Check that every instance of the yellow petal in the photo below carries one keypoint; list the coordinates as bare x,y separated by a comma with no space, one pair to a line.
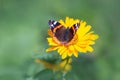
87,36
89,48
91,42
78,48
64,55
51,49
71,23
69,53
86,29
94,37
51,42
61,50
75,53
71,48
67,21
82,26
86,42
62,22
83,31
76,21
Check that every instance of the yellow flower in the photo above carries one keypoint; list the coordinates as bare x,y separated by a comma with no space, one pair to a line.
80,42
64,65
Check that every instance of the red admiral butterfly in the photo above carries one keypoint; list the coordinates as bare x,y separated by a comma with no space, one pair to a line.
63,34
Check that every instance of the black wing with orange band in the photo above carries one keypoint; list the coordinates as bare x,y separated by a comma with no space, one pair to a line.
54,25
74,28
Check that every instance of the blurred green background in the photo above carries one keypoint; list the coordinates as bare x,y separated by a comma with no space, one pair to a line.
23,32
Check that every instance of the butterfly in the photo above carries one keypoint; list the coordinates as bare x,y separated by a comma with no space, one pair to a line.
63,34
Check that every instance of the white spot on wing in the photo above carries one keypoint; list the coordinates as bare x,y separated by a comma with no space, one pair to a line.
51,25
76,26
55,22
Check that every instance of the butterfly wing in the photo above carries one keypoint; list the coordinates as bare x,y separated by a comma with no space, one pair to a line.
74,28
54,25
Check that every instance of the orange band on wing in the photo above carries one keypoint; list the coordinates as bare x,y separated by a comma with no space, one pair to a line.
73,29
54,30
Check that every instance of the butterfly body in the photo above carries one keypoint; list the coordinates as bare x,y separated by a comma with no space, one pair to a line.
63,34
